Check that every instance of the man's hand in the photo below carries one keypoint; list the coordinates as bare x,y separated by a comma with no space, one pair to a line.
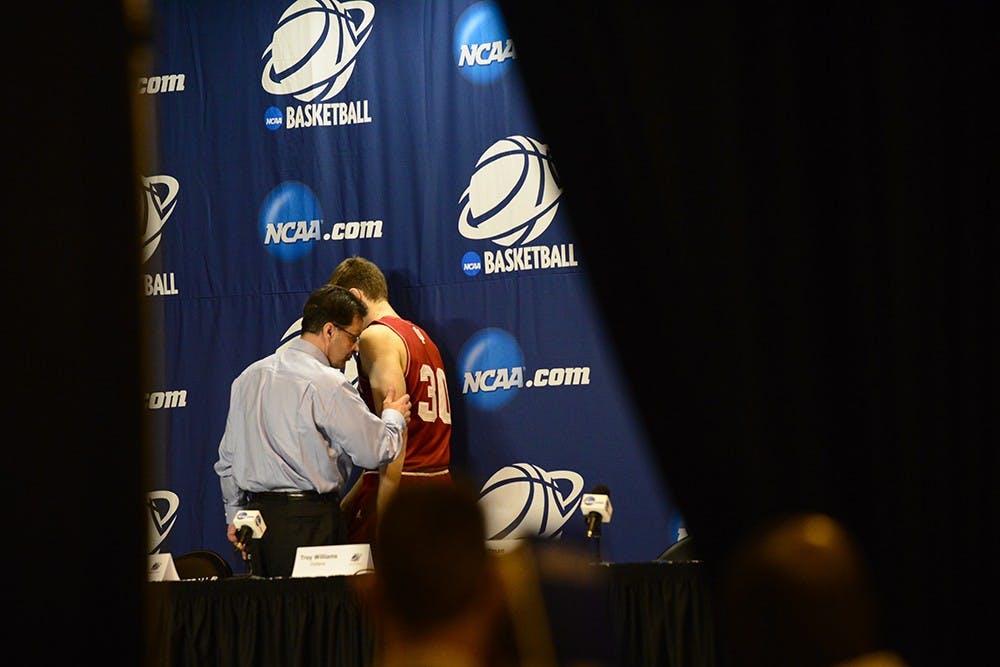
231,536
402,404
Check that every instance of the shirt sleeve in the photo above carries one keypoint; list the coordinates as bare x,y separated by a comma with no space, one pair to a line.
233,497
369,441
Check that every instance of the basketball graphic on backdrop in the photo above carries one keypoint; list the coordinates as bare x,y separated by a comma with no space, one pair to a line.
162,506
160,197
522,500
513,194
314,48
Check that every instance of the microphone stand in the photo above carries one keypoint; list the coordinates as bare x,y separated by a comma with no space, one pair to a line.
596,537
248,561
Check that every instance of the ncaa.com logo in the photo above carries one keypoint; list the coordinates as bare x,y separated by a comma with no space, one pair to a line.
291,223
311,57
162,84
483,49
512,198
493,371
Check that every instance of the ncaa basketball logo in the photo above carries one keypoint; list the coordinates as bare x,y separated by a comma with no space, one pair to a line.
525,501
160,199
314,48
513,194
162,507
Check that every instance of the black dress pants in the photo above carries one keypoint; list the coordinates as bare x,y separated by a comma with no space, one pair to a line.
291,522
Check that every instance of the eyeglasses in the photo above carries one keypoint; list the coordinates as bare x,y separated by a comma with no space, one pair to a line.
354,337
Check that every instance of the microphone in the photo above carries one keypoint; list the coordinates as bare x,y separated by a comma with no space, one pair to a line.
249,523
596,507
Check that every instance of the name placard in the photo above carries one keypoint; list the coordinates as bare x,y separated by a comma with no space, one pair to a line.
332,560
160,567
500,547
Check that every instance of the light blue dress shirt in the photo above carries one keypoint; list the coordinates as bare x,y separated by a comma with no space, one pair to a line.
296,423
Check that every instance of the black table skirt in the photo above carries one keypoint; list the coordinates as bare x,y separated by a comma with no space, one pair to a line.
658,614
662,614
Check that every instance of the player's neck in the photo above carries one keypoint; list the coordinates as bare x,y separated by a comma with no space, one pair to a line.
377,311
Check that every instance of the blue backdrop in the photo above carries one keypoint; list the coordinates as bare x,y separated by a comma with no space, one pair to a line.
291,134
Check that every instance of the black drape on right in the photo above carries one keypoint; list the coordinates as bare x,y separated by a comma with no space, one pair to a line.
789,217
661,615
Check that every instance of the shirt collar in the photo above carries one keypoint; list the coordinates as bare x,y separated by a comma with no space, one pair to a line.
303,345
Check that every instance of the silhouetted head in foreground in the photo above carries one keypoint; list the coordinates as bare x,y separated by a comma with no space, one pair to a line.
798,592
435,590
431,555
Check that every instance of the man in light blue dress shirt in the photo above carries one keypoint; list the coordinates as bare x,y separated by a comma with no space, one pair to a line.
295,429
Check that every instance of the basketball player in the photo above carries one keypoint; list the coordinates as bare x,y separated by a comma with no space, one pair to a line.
395,353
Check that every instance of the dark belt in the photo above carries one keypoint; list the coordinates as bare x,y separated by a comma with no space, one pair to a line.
293,496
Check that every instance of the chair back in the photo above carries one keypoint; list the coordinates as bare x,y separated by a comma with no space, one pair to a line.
681,551
202,564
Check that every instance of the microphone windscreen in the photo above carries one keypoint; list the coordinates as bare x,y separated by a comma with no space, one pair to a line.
601,490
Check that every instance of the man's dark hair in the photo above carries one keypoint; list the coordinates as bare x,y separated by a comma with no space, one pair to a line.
331,303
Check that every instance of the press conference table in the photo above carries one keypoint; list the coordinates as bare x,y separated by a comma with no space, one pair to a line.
658,614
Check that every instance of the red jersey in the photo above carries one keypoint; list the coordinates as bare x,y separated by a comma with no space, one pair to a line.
428,439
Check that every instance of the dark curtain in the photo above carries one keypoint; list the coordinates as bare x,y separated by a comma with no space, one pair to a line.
72,472
662,615
789,217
